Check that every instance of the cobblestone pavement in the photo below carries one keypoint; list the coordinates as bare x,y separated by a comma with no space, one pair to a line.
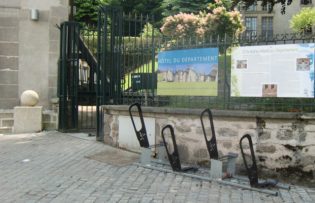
53,167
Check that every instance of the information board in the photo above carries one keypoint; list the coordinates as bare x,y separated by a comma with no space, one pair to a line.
273,71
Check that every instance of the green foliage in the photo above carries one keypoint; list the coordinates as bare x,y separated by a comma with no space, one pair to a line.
87,10
247,3
144,7
303,21
149,31
172,7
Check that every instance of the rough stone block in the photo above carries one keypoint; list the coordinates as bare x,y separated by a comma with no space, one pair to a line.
6,115
285,134
310,128
227,144
227,132
265,135
8,103
54,46
9,34
52,92
266,148
9,21
9,91
53,63
59,11
7,122
46,118
8,77
54,33
9,49
5,130
27,119
52,81
50,126
7,62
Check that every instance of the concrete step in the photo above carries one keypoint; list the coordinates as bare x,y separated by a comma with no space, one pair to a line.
5,130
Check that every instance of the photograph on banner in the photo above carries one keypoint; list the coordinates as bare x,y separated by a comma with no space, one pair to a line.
188,72
273,71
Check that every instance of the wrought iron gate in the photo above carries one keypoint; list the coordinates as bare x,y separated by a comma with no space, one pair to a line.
99,67
76,80
68,76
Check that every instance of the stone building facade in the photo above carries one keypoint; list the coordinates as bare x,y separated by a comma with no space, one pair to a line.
259,21
29,49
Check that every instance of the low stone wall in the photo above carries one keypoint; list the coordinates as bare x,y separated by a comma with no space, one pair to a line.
282,141
6,121
50,120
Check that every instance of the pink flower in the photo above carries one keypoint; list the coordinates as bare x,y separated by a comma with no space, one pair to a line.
219,10
200,32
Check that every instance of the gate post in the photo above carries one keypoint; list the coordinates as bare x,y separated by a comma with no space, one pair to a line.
68,76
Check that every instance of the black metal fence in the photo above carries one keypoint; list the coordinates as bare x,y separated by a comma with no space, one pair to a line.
127,57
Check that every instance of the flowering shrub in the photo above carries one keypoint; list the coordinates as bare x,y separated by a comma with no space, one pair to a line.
217,20
180,25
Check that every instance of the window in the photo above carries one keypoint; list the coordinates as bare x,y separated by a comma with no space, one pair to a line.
267,27
306,2
252,7
267,7
251,27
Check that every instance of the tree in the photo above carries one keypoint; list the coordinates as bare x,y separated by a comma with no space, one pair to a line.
87,10
144,7
172,7
247,3
304,21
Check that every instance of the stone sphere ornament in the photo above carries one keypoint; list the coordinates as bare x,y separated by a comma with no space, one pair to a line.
29,98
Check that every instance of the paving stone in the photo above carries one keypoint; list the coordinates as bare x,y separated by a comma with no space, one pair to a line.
53,167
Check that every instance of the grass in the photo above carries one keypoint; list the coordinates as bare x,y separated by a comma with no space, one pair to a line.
187,88
145,68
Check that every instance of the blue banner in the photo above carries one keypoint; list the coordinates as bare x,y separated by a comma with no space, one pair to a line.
189,72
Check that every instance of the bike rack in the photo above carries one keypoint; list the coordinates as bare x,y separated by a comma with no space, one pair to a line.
142,133
252,171
146,148
147,161
174,157
216,162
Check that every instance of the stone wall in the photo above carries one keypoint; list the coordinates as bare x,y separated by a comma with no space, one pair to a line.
6,121
29,50
282,141
50,120
9,52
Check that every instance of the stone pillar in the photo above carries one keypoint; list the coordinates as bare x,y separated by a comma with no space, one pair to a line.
27,119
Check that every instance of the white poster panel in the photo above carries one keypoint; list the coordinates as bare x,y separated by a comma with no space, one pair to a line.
273,71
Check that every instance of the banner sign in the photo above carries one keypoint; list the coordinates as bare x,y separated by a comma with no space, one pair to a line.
273,71
189,72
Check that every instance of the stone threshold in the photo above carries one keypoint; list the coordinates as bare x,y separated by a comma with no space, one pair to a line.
218,113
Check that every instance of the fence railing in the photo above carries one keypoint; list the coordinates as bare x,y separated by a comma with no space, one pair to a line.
139,65
147,94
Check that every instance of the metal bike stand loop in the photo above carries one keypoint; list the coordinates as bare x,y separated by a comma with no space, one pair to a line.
252,170
216,162
174,156
146,148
